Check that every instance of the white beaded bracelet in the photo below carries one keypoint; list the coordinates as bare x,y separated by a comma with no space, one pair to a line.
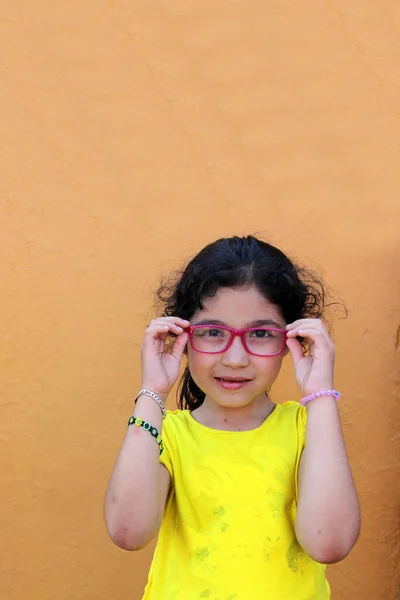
156,398
333,393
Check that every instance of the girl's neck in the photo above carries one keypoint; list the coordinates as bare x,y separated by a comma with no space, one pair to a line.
213,415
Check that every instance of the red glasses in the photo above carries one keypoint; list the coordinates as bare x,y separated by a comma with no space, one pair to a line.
259,341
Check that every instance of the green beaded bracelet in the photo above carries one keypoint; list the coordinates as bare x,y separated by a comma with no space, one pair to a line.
148,427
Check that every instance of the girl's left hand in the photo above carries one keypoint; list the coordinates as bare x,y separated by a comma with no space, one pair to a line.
314,372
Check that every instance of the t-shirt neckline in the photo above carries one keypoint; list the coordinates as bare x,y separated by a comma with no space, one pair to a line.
271,417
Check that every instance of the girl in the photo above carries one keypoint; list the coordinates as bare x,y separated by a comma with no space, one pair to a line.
250,499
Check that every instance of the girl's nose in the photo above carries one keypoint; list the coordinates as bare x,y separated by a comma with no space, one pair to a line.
236,355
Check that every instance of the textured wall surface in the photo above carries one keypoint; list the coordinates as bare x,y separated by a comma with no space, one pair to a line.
131,134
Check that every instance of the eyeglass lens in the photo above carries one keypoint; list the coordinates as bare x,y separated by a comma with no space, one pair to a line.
261,341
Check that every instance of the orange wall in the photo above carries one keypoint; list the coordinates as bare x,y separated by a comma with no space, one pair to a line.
131,134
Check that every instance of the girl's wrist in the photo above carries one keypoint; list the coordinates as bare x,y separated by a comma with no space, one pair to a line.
320,397
316,389
162,395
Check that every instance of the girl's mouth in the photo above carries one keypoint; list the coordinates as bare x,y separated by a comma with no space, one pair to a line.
231,383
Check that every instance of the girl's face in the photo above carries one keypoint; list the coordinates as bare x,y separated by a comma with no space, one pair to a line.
236,308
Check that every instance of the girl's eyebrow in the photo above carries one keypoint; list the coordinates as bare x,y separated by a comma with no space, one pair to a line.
257,323
261,322
210,322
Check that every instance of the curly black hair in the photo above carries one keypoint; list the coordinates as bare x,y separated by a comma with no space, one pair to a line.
237,262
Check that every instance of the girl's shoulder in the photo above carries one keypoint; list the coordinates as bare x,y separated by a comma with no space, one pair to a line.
182,421
291,409
177,420
177,416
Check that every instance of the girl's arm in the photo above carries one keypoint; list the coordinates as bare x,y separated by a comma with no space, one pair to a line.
328,511
137,492
138,487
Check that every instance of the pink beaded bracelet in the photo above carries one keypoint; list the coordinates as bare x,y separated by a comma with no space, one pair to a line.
333,393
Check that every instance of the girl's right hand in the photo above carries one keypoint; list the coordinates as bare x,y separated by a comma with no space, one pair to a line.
160,369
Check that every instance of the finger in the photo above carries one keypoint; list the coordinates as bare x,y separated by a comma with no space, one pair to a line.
177,320
305,323
301,330
319,338
296,350
311,328
179,346
165,326
154,330
155,335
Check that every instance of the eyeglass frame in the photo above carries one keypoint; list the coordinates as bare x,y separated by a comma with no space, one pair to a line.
238,332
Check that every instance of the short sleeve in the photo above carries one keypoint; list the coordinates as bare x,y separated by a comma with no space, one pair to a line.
165,459
166,456
301,441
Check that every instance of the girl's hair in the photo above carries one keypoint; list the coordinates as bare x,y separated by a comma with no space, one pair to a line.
237,262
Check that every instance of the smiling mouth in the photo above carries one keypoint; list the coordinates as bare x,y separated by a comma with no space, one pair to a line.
233,379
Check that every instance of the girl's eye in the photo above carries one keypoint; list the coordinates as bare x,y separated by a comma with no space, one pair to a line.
262,333
214,332
208,332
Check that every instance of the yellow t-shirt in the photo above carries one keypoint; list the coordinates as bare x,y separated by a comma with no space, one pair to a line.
228,528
